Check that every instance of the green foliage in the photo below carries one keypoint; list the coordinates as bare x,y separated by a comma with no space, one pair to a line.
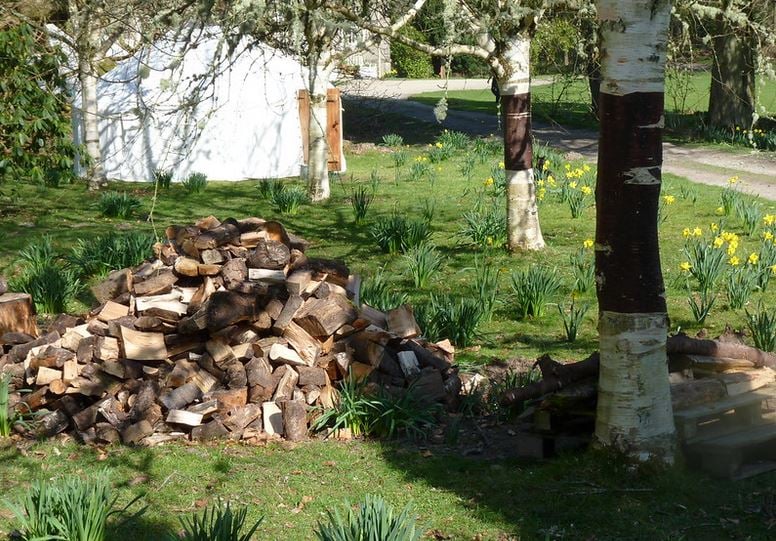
730,199
353,409
113,251
163,178
583,269
290,199
701,304
705,261
376,292
360,199
572,318
485,227
486,287
423,261
454,140
741,283
118,205
444,316
72,509
371,520
393,140
195,183
217,523
750,214
408,61
762,325
35,128
269,188
532,289
45,276
420,169
399,158
6,416
396,233
490,396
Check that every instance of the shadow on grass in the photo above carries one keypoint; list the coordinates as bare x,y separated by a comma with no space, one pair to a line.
367,125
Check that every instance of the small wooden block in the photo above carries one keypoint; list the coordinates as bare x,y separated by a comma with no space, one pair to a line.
272,417
112,310
182,417
143,346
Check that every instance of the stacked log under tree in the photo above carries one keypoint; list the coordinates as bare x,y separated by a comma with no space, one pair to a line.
231,331
723,395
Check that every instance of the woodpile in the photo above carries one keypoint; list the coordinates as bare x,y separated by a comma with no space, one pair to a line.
232,331
723,396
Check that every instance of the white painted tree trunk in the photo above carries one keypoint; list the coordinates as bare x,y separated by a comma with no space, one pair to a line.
89,115
523,230
634,403
318,152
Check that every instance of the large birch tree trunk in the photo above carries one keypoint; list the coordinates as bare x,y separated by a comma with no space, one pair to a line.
318,154
523,231
95,174
634,404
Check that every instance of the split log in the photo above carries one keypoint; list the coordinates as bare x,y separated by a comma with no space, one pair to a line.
17,314
269,254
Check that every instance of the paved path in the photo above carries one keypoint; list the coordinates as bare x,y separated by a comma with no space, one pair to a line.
710,166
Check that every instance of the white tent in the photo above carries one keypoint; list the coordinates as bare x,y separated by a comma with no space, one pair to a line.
189,108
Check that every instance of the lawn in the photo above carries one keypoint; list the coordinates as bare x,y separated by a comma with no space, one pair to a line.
567,102
581,496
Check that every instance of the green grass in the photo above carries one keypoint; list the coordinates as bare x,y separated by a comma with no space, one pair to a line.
571,106
573,497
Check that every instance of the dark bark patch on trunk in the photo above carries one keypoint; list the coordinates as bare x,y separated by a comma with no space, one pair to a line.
627,255
518,152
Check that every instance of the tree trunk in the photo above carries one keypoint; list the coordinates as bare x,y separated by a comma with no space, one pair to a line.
318,155
732,93
523,229
95,173
594,83
634,405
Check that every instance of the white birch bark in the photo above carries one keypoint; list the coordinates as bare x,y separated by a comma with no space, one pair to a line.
318,152
634,411
89,116
523,230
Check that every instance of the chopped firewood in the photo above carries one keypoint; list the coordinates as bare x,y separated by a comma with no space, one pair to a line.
267,276
743,382
47,375
269,254
286,315
156,285
401,321
220,351
211,257
294,420
297,281
279,353
115,284
143,346
17,314
322,317
237,419
208,270
186,266
181,397
229,398
681,343
107,349
170,302
408,363
288,378
305,345
204,408
182,417
136,432
112,310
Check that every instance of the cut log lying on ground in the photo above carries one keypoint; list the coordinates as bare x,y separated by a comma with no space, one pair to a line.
683,344
230,332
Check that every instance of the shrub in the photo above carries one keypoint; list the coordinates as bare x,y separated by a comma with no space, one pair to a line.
118,205
422,262
408,61
485,228
217,523
72,509
393,140
45,277
376,293
396,233
110,252
371,520
288,200
269,187
762,325
163,178
532,289
446,317
195,183
360,199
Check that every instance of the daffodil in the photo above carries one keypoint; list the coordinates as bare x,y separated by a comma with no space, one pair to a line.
713,227
733,180
501,165
551,180
587,244
767,235
769,219
734,261
587,190
686,232
685,266
572,184
586,168
720,211
732,247
488,181
567,166
718,242
773,269
697,232
669,199
546,165
753,258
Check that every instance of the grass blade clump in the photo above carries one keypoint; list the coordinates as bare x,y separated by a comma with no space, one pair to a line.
393,140
396,233
110,252
45,276
118,205
422,262
762,325
269,188
290,199
6,417
163,178
361,199
486,287
447,317
353,409
217,523
371,520
485,228
377,293
572,319
195,183
532,290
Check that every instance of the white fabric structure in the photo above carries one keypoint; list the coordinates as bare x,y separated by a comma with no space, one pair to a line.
189,108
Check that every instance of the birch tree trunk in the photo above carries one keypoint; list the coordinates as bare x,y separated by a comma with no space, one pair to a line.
634,404
95,174
523,229
318,152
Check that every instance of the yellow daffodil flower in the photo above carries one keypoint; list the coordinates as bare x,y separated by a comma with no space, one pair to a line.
685,266
734,261
587,244
669,199
697,232
753,258
686,232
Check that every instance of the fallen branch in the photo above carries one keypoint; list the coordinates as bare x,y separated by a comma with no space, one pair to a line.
555,376
683,344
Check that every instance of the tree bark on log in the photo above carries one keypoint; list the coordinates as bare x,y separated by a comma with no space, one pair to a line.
682,344
555,376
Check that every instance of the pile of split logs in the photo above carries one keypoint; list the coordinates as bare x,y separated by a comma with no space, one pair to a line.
231,331
708,379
